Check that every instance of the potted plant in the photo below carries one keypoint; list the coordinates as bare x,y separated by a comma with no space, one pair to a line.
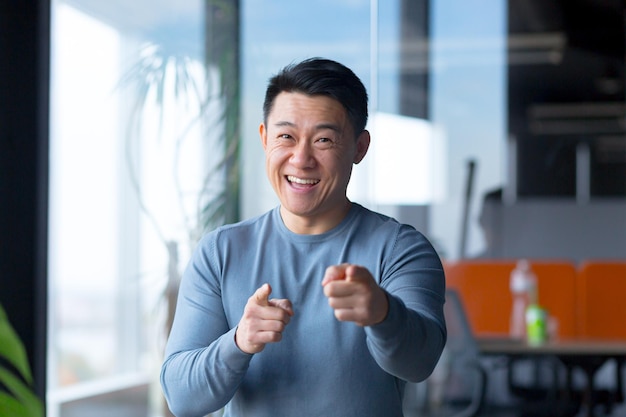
168,77
178,97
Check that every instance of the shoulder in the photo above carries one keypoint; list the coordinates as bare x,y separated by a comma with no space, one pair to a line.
403,240
245,227
378,223
236,235
367,217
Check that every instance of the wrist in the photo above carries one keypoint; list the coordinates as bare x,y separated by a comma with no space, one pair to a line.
383,306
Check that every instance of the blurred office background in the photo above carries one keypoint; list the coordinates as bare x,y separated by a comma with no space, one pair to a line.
128,129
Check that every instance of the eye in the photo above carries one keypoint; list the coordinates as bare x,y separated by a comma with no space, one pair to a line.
324,142
284,136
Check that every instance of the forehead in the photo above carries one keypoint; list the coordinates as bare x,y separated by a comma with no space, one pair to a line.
293,107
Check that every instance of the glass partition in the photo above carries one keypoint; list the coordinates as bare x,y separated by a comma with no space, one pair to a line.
521,98
425,60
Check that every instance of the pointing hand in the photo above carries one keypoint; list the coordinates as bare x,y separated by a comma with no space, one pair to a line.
263,321
354,295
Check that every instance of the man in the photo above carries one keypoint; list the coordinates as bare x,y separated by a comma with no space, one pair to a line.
359,297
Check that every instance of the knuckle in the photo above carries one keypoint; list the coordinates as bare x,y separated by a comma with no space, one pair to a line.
341,315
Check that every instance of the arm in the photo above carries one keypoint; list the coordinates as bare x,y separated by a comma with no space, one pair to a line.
403,317
408,343
200,381
205,360
202,366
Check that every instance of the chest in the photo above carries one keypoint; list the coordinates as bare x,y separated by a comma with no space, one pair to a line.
294,271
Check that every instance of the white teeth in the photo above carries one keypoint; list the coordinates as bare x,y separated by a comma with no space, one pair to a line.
297,180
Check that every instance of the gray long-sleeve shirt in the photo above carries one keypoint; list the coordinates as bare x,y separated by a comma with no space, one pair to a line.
321,367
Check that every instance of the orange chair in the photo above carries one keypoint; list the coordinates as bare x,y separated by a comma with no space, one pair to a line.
484,289
558,294
601,295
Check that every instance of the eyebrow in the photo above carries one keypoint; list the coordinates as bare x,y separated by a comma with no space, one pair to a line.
320,126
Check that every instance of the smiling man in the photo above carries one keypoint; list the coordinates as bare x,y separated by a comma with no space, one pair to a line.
319,307
310,147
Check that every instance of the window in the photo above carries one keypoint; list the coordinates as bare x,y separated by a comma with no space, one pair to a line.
136,123
128,165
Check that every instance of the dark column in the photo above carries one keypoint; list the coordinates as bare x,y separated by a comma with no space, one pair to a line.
222,51
414,58
24,58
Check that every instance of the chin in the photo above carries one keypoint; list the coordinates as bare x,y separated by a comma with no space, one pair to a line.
299,210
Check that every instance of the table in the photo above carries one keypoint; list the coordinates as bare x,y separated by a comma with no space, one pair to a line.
586,354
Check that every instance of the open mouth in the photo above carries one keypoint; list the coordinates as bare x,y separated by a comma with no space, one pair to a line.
302,181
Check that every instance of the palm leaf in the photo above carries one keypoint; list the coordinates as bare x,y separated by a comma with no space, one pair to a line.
18,399
11,348
9,406
22,394
148,80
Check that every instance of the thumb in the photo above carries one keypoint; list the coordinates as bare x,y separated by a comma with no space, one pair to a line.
262,294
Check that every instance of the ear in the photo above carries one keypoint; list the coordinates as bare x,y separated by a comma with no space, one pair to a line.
263,134
362,145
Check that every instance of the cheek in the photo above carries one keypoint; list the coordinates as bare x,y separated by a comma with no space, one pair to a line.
343,165
274,158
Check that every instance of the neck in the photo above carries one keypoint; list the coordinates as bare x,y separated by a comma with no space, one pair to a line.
315,225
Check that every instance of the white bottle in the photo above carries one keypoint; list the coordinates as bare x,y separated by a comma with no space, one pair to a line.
523,285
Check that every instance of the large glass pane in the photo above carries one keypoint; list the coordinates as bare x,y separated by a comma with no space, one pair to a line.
468,99
136,150
518,102
515,107
424,60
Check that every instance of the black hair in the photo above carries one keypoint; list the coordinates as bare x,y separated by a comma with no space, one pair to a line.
321,77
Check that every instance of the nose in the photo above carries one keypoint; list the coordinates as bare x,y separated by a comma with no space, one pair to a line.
303,156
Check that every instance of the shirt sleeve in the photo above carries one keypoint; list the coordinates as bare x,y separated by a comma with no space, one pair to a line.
203,365
409,342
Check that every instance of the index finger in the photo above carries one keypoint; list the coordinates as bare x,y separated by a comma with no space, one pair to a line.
283,304
357,273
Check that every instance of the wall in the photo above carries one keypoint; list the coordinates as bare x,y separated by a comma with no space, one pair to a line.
559,229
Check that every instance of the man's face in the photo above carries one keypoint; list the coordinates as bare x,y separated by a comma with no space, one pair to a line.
310,148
